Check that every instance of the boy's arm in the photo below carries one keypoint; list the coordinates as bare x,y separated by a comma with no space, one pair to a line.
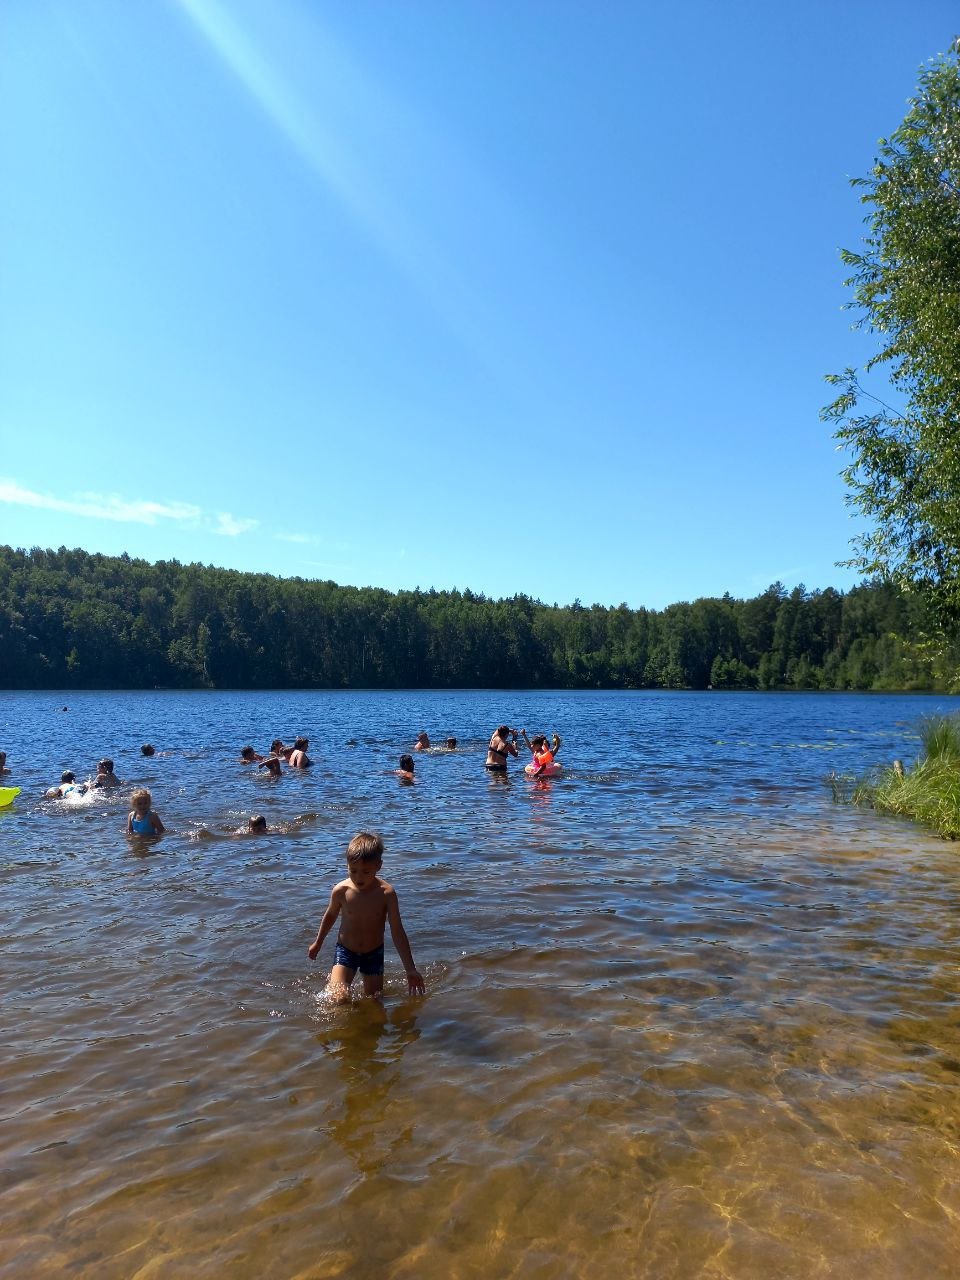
326,924
401,942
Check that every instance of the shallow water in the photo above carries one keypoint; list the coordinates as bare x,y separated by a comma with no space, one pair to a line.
684,1016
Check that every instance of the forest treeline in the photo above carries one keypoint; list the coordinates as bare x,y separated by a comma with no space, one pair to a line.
71,619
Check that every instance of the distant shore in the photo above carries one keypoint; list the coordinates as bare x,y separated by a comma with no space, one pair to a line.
74,620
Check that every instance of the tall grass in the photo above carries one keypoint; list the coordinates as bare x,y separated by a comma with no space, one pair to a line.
928,792
941,737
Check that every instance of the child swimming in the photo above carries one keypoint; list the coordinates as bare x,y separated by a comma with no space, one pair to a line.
106,779
68,787
405,772
364,904
543,756
141,820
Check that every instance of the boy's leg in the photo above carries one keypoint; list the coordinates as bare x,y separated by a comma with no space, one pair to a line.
373,985
338,984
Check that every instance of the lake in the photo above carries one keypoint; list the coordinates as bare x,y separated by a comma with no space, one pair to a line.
684,1017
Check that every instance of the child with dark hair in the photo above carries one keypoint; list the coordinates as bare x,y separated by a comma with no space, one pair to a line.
106,779
69,786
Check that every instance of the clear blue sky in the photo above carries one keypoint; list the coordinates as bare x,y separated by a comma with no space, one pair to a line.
501,294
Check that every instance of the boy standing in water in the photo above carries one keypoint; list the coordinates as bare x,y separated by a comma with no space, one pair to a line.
366,904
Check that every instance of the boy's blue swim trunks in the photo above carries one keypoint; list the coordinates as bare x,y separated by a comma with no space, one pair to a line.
369,962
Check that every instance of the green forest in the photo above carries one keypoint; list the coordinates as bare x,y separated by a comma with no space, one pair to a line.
75,620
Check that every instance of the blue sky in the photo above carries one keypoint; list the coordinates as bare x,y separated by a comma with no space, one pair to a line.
501,294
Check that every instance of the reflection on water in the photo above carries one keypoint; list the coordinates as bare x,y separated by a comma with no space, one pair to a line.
684,1017
367,1045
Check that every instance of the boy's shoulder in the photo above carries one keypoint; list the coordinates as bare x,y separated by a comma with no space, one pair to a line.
386,888
379,884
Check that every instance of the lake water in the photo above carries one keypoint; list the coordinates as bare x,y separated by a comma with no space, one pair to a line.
684,1016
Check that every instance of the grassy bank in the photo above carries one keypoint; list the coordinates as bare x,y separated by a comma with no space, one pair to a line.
928,792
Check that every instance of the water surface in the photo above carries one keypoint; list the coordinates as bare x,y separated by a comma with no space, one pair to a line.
684,1016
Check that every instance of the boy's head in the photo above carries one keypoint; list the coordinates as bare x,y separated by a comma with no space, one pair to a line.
105,766
141,799
406,763
539,741
146,749
257,822
366,848
247,753
276,746
68,776
364,856
451,744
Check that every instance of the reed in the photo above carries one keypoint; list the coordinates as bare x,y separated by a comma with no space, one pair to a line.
927,793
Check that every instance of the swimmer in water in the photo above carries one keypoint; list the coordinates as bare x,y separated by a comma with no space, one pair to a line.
249,756
298,758
147,750
68,786
364,904
256,825
272,766
451,744
106,779
405,772
422,743
502,744
542,755
3,762
142,820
